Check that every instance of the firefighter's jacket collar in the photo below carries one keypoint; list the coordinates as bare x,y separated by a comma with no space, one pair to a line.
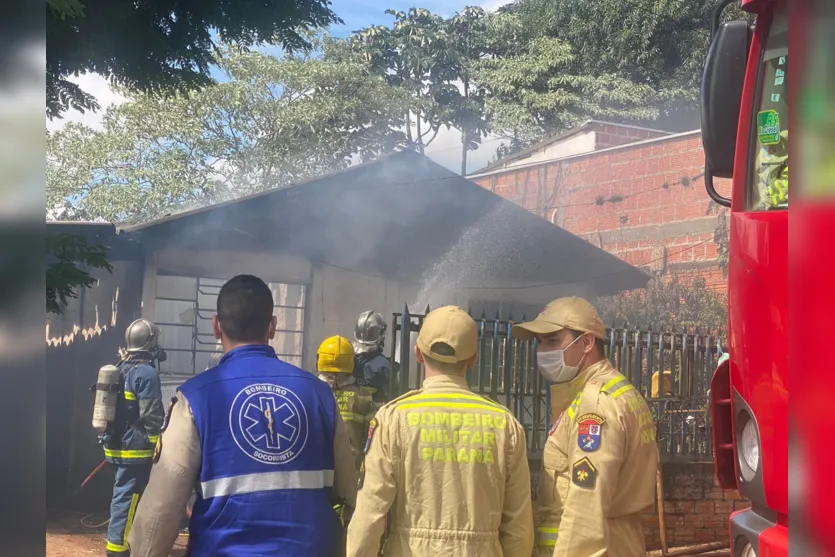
440,382
578,383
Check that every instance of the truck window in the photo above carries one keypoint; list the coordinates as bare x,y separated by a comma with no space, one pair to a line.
769,179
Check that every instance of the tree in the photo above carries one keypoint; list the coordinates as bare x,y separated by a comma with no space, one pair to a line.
661,44
275,122
161,45
63,275
669,305
468,112
532,90
417,53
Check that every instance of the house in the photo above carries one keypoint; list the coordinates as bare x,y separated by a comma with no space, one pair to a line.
400,230
635,192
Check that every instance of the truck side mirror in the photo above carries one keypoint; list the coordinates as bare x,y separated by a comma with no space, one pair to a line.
721,95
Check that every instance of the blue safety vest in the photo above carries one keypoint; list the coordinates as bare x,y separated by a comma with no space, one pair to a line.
267,437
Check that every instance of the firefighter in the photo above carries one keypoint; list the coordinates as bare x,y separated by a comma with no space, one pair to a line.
129,444
600,457
369,363
448,468
261,440
335,363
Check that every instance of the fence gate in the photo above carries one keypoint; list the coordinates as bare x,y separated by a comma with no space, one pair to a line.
672,370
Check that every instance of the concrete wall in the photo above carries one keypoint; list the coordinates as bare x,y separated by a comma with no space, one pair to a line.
644,202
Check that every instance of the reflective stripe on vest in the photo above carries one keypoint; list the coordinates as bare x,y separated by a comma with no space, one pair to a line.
128,455
353,417
546,537
267,481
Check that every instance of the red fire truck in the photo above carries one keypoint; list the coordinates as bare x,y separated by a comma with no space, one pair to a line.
745,136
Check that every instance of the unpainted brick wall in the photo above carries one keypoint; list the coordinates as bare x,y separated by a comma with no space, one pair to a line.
644,203
696,509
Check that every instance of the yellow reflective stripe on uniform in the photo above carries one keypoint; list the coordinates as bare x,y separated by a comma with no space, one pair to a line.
129,396
131,513
153,439
115,453
622,390
353,417
454,396
572,410
617,387
444,404
546,537
369,417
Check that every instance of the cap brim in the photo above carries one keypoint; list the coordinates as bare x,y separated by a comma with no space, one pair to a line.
528,331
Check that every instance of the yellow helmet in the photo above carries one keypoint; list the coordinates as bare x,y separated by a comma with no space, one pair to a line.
336,355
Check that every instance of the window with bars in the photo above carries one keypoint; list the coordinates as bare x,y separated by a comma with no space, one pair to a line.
184,307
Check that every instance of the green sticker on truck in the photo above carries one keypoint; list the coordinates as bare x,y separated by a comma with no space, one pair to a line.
768,127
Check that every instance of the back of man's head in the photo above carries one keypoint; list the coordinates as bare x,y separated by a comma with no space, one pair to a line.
245,310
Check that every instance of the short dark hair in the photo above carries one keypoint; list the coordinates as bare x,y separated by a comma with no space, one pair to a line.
245,308
599,345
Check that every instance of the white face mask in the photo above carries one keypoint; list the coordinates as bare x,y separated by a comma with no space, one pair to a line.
552,365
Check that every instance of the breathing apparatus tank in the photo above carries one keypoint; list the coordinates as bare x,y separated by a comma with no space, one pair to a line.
107,387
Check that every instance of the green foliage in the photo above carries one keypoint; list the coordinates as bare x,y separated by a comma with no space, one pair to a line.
419,54
159,46
534,89
65,274
660,44
668,305
720,238
275,122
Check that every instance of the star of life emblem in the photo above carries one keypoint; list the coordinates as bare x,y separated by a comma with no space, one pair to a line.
268,423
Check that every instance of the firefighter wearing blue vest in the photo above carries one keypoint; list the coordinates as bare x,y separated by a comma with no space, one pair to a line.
129,443
260,440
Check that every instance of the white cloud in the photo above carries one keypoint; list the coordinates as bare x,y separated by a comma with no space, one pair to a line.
97,86
446,150
493,5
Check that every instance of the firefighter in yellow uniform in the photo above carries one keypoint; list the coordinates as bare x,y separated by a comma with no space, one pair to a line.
335,364
448,468
600,458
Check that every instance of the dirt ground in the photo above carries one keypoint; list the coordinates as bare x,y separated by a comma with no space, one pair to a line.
66,536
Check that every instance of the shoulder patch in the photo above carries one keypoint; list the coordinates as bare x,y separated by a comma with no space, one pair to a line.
589,432
584,474
372,425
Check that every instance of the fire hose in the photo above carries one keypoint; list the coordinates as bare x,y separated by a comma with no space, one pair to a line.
95,471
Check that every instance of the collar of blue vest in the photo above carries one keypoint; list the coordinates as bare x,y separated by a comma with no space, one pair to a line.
249,350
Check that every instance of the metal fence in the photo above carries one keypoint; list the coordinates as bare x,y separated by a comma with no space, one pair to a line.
672,370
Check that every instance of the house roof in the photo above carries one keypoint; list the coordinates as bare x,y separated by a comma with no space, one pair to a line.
524,153
401,216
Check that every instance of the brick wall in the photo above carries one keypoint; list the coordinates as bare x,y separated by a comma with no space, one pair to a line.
610,135
696,508
643,202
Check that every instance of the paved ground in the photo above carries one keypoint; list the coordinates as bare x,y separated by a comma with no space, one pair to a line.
67,537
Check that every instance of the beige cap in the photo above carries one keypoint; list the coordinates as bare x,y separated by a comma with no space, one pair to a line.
572,313
453,326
